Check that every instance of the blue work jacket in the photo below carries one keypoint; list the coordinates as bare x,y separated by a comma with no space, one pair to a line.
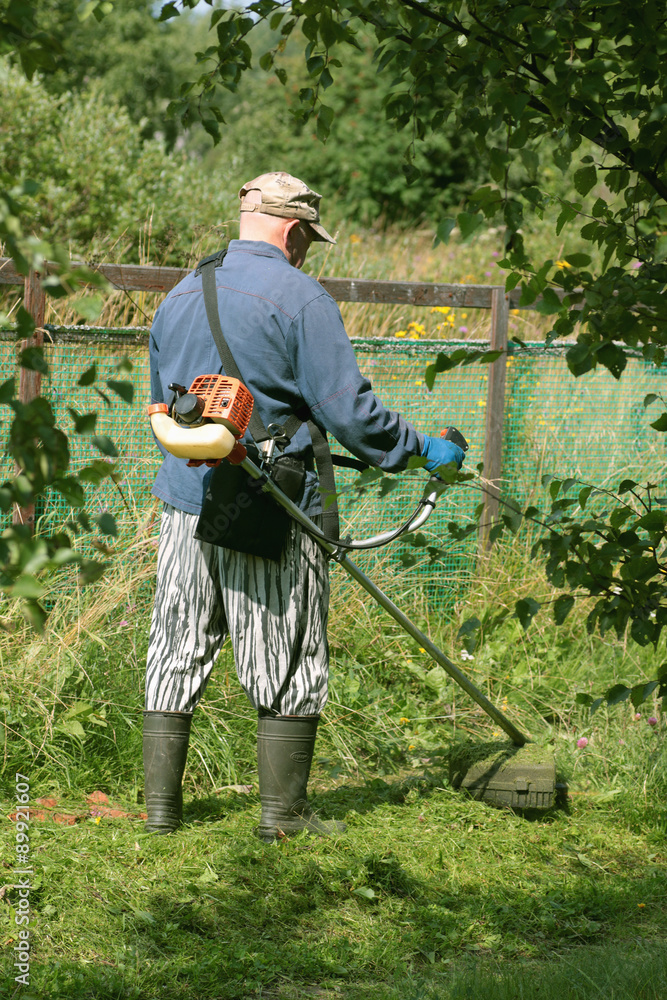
286,334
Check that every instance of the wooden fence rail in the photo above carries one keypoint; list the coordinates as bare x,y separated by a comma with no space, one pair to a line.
129,277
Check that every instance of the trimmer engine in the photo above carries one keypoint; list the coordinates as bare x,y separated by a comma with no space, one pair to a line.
190,430
215,397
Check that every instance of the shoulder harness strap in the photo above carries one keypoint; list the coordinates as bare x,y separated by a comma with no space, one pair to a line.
323,461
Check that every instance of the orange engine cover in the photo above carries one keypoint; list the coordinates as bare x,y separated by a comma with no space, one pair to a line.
225,400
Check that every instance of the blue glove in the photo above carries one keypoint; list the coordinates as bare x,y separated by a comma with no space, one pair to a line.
440,452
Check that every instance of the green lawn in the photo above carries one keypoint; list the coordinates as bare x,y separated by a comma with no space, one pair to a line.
428,894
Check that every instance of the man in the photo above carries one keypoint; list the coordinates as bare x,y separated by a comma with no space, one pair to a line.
286,335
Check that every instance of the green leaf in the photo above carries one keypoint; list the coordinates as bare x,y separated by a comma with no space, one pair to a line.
469,223
90,570
123,389
168,10
548,303
526,610
35,615
72,490
325,119
72,727
33,359
584,495
580,359
212,127
25,324
655,520
578,259
105,445
613,358
641,692
639,568
617,694
660,252
364,891
84,423
444,231
89,307
650,398
27,586
88,377
661,423
584,179
469,634
642,632
107,524
7,391
511,514
562,607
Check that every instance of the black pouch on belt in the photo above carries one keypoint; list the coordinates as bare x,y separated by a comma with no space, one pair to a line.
237,514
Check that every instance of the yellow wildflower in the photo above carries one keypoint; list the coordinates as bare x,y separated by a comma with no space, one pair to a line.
400,333
562,263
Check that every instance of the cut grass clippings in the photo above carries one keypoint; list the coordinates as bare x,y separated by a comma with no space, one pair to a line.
427,891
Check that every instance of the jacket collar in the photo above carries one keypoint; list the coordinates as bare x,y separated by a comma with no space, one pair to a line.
257,247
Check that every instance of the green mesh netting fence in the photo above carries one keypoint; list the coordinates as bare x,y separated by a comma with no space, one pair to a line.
593,428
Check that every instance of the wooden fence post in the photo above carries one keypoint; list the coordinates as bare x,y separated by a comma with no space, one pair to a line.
495,413
30,382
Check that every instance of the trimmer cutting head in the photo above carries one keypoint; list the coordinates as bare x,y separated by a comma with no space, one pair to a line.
505,775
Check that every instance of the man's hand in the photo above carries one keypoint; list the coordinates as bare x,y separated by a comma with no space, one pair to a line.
440,451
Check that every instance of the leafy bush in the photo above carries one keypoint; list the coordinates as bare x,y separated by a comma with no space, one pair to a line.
101,188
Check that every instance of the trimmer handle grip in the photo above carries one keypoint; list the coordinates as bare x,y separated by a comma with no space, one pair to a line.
237,454
455,436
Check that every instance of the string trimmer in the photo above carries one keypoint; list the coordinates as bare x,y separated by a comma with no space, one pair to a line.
206,424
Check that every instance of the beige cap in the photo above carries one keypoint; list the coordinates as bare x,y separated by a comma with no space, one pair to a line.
287,197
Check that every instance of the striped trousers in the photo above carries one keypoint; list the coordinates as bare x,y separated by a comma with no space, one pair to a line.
275,614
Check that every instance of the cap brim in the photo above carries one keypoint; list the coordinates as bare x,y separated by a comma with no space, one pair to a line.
321,235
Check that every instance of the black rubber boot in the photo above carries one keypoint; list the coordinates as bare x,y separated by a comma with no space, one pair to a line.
166,738
285,746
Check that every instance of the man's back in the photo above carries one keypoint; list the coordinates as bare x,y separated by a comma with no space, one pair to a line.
288,340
